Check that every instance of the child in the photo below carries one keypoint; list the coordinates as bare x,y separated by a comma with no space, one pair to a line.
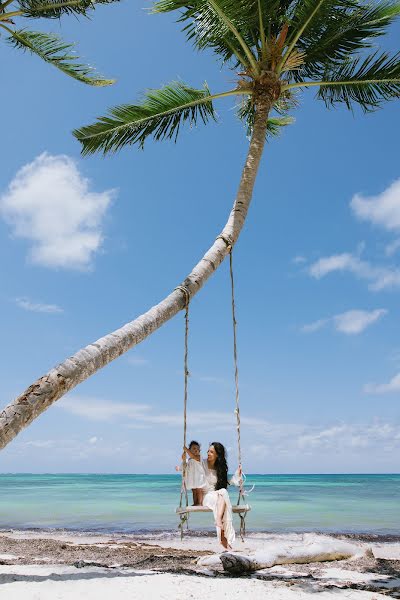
195,478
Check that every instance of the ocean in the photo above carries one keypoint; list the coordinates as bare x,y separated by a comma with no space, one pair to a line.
367,504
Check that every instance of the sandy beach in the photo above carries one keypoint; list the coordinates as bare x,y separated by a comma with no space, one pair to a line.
42,565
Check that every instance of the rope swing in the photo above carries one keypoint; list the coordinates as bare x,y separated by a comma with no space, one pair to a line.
184,509
237,407
184,495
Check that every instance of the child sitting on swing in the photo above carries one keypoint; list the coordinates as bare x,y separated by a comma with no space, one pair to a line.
195,477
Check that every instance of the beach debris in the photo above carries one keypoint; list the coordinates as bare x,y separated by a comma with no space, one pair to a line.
8,557
81,564
311,549
237,565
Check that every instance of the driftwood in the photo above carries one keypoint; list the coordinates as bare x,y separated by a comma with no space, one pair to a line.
238,565
311,549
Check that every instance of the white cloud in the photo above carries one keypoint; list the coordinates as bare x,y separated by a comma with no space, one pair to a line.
139,416
39,444
260,436
323,437
101,410
315,326
394,356
212,379
49,204
355,321
137,361
266,446
336,262
379,277
38,307
350,322
384,388
74,448
383,210
310,441
298,260
344,436
392,247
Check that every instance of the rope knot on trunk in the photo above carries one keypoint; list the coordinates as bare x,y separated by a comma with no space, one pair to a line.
186,292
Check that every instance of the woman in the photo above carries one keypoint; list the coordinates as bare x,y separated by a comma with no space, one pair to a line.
216,496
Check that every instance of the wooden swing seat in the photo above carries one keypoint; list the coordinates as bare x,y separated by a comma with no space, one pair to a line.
237,508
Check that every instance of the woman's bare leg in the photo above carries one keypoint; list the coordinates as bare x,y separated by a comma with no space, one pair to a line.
224,541
221,504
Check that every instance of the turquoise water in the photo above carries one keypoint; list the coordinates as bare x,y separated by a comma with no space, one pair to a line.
132,503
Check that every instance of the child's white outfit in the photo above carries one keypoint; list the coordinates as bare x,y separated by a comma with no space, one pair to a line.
195,474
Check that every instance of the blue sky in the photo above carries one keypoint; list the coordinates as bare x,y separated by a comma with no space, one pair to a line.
89,244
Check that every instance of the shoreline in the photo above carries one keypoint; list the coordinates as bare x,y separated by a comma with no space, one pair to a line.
153,534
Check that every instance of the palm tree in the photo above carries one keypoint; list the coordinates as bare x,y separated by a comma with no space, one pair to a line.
48,46
279,47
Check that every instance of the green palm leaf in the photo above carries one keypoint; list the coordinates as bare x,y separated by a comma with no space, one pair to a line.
160,115
244,14
57,8
275,125
308,19
350,31
56,52
247,111
229,27
276,13
367,82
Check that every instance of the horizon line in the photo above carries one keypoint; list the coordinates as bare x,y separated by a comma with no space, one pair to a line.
178,474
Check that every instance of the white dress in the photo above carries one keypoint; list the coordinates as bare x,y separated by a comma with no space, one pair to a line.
195,476
211,499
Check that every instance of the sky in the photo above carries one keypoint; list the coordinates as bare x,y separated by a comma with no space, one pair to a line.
88,244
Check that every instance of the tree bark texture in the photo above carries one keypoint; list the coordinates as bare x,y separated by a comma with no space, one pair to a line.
61,379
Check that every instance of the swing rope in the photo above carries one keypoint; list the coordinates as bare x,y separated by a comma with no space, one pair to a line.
241,495
235,360
184,494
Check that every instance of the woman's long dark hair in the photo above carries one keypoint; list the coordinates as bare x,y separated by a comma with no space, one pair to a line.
221,466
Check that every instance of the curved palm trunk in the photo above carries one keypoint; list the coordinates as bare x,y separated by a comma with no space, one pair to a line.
49,388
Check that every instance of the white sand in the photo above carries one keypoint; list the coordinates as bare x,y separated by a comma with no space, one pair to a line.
60,582
252,543
34,582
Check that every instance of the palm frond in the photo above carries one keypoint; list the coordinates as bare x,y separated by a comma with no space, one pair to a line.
288,101
275,125
367,82
308,18
160,115
53,9
277,13
56,52
229,27
246,112
349,30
